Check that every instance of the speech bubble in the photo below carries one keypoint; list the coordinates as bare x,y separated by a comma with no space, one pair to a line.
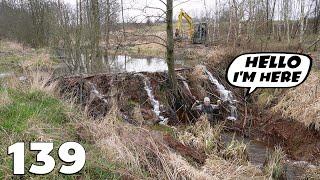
268,70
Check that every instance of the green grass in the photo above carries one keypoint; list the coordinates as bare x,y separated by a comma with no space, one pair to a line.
275,164
27,106
33,116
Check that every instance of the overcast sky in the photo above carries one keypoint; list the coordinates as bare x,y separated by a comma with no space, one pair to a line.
193,7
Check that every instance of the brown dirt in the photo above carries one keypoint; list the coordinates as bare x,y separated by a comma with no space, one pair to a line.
299,142
128,90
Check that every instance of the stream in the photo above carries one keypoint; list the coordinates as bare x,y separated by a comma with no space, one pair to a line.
258,154
225,95
155,103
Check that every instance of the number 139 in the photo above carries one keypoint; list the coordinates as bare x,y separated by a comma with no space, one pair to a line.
78,158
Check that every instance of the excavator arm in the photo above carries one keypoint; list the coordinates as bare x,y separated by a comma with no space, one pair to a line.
183,14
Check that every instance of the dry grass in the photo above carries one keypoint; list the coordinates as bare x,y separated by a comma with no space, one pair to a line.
4,98
224,169
202,136
142,153
137,115
12,46
40,60
303,103
236,151
313,173
274,167
39,82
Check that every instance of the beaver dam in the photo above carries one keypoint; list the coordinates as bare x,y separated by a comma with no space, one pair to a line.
150,92
143,98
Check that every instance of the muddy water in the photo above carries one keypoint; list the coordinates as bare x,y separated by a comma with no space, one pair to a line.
258,153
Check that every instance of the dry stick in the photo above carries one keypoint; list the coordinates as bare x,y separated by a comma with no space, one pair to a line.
245,113
314,43
214,95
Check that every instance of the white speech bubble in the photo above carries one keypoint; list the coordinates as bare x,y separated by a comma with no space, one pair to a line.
268,70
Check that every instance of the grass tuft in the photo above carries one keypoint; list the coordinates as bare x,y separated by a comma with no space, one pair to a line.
275,164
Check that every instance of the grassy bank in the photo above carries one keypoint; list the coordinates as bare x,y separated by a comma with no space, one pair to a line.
36,115
29,112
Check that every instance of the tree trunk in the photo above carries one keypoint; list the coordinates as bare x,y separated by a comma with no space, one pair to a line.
95,41
317,17
107,25
301,22
287,19
123,29
170,47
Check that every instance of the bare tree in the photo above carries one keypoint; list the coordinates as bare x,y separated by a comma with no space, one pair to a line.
302,4
170,46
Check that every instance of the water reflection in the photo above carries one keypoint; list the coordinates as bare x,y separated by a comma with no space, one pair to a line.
128,64
116,64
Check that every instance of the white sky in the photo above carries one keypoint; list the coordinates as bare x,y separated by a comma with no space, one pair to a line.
193,7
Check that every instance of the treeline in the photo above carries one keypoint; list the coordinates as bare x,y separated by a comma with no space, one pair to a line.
30,22
76,33
88,24
236,21
53,23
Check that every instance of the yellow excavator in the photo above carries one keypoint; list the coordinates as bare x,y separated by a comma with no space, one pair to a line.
197,31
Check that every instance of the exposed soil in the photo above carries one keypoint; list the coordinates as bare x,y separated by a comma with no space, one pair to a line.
128,90
98,93
299,142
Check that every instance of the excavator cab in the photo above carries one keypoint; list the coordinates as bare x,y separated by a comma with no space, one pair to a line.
200,33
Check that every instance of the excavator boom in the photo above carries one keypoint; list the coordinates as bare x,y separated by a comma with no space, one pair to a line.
182,15
197,32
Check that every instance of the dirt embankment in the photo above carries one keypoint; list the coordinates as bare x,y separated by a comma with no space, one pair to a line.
298,141
287,118
127,91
